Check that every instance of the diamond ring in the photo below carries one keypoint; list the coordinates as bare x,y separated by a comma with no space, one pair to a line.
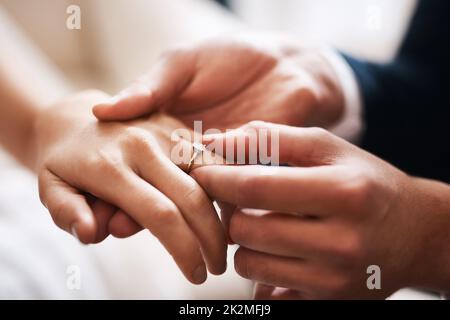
197,149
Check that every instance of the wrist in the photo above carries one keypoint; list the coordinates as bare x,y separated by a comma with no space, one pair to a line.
329,102
31,134
432,213
350,124
316,68
39,128
54,122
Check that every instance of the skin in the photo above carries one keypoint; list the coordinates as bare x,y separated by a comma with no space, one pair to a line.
84,167
314,227
97,178
75,152
227,82
309,230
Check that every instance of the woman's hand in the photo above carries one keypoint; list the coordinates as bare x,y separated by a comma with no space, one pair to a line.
228,82
126,165
316,225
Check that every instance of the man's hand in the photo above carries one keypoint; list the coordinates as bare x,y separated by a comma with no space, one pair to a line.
316,225
127,165
229,82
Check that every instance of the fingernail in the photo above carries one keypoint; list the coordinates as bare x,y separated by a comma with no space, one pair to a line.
73,230
200,274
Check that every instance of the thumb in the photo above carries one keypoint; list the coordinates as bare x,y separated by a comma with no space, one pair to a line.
130,103
151,92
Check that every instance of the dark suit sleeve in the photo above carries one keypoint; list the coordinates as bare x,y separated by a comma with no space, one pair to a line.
406,102
223,2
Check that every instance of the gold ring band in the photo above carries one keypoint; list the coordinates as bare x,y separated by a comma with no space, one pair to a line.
197,149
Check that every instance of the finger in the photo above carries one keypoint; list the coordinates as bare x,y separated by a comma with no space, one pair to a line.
68,208
154,211
123,226
226,211
111,220
265,292
262,291
284,234
195,206
103,212
267,143
164,83
316,191
278,271
106,215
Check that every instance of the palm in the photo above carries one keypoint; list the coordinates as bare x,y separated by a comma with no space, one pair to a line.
227,83
238,83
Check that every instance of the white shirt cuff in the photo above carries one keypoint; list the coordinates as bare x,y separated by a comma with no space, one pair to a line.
350,127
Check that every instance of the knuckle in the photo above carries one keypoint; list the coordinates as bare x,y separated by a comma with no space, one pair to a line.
337,285
319,142
245,189
303,93
250,267
134,137
165,216
196,199
320,134
193,192
349,249
137,140
106,162
316,145
357,189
